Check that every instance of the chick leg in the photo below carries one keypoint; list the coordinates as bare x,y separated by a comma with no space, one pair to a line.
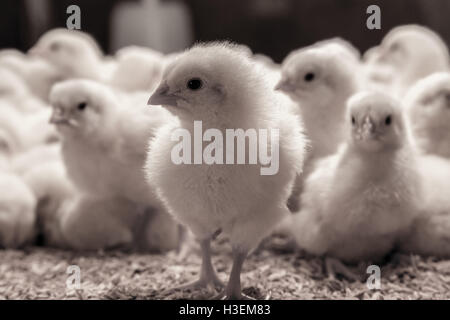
335,267
233,289
208,276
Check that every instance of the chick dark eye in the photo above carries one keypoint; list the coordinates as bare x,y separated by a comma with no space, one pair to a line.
82,106
55,46
309,77
388,120
353,120
194,84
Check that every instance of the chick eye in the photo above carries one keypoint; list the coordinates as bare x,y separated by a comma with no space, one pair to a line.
388,120
309,77
82,106
55,46
353,120
194,84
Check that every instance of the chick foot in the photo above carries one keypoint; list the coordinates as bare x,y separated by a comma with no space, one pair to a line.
335,267
208,277
233,289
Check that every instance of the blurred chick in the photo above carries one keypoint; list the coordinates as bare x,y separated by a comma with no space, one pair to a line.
38,75
104,143
219,84
358,202
430,233
406,54
320,79
427,106
72,53
17,216
138,69
69,219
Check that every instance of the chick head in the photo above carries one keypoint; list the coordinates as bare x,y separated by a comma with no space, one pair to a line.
427,105
376,122
79,106
319,72
69,51
208,81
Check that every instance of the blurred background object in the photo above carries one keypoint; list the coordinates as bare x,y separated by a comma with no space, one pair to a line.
267,26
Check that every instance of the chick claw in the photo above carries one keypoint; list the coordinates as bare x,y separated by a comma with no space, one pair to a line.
335,267
213,283
224,296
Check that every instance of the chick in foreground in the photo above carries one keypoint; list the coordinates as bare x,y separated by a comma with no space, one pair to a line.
220,85
427,106
320,79
358,202
406,54
104,143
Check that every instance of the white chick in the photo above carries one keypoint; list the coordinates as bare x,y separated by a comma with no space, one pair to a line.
17,217
220,85
72,53
38,75
105,139
27,160
320,79
427,105
358,202
68,219
12,140
406,54
138,69
430,234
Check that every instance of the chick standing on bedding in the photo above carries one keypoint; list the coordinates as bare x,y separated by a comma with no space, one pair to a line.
221,86
320,79
359,201
427,106
104,143
406,54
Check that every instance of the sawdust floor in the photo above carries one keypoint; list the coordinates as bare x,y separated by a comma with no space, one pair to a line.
269,273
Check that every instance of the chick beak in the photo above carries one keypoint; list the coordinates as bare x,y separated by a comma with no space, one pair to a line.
368,128
284,86
36,52
59,118
161,96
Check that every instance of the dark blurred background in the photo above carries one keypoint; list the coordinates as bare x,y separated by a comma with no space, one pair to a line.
272,27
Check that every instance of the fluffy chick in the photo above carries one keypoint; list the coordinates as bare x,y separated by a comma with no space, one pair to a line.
38,75
68,219
427,105
406,54
72,53
138,69
430,233
220,85
17,216
104,142
358,202
320,79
